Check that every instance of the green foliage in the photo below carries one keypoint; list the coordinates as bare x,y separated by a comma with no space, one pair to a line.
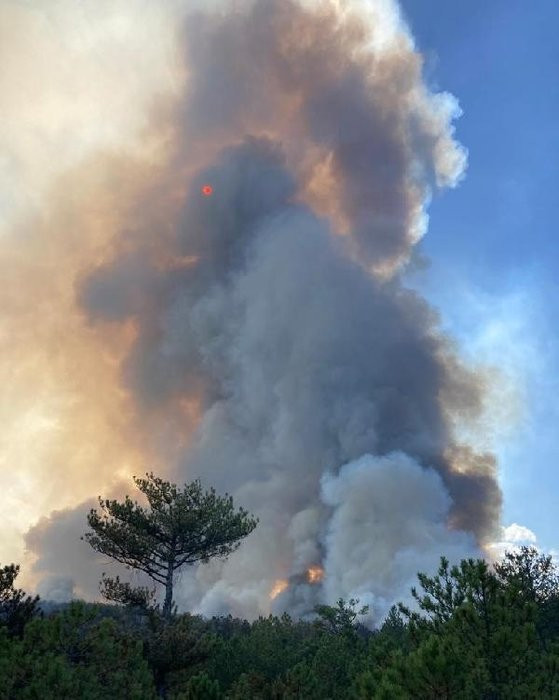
176,649
181,526
475,632
394,633
250,686
534,576
200,687
532,573
16,608
116,591
265,648
299,682
74,654
390,642
277,657
335,662
548,620
474,637
340,619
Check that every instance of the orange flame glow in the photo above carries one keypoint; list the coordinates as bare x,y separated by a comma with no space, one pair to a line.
315,574
279,587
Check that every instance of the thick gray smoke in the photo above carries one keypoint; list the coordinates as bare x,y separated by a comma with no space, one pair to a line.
327,395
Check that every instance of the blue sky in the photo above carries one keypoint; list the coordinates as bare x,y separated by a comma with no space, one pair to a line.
492,241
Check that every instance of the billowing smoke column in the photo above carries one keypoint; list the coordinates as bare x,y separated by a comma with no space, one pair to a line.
327,394
326,398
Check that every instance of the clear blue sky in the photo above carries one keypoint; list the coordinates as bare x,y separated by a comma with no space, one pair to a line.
493,241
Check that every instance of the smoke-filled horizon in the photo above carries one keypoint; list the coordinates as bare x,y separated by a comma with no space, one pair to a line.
259,338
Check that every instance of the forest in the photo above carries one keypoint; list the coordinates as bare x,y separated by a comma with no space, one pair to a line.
472,630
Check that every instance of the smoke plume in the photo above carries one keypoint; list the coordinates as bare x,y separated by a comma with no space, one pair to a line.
261,337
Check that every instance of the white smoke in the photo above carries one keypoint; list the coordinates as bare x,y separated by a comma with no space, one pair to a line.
389,521
57,589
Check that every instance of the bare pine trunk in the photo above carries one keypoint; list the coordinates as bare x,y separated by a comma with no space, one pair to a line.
167,606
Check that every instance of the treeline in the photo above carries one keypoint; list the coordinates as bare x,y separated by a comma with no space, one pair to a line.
475,632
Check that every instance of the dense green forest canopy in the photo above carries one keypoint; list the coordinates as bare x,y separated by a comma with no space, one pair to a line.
474,631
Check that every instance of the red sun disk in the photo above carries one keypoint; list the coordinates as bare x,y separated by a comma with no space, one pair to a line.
207,190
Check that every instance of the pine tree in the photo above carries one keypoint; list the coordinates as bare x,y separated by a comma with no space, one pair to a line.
200,687
533,573
16,608
180,527
475,637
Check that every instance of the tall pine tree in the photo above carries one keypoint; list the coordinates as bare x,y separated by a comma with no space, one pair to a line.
180,527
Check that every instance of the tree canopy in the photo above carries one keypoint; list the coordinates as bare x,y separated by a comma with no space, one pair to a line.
477,632
179,527
16,608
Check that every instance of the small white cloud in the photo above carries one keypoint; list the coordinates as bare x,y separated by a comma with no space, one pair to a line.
512,538
516,533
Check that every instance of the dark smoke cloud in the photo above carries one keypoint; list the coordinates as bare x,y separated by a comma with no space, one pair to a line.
312,76
327,396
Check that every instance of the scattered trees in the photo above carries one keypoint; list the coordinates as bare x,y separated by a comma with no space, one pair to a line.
180,527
